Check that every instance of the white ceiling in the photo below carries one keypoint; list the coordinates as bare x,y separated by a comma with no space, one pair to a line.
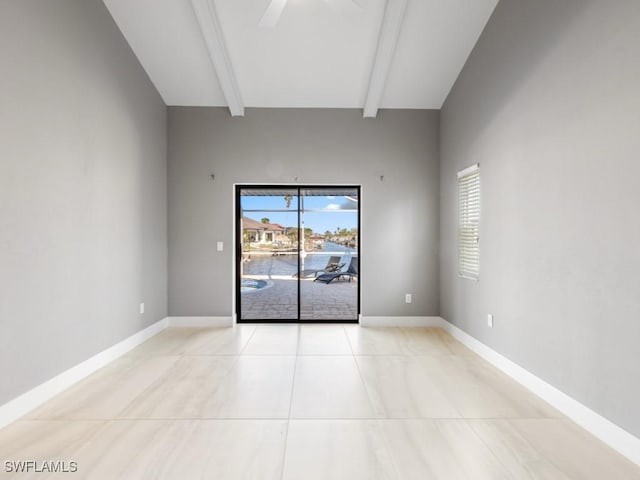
319,54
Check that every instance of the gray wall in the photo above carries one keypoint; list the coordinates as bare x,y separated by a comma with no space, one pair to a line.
548,104
82,190
399,216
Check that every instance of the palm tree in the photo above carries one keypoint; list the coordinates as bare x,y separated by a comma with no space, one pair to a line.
265,220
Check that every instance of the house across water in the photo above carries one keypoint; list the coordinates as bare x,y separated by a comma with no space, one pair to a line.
259,234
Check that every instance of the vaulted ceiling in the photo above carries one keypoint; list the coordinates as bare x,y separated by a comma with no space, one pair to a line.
365,54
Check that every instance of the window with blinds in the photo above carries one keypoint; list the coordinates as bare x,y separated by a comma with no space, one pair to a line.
469,222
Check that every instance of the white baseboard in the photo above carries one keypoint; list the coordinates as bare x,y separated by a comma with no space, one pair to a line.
611,434
20,406
200,321
366,321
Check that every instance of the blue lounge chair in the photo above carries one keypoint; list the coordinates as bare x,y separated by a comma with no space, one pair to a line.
351,272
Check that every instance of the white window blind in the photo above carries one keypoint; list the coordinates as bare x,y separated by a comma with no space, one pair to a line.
469,222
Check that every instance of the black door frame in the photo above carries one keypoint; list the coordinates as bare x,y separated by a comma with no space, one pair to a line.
239,240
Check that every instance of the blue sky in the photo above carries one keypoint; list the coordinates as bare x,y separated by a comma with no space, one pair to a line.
319,222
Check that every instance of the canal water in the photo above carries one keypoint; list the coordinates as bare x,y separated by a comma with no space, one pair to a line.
288,264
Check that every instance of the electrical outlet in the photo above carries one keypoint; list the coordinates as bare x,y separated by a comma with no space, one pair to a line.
220,246
490,320
407,298
141,308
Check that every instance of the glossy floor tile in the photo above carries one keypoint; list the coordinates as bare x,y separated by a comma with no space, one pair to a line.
305,402
425,341
516,454
172,341
573,451
187,390
106,393
478,390
440,449
185,449
148,449
376,341
256,387
220,341
41,440
337,450
273,340
400,387
329,387
323,340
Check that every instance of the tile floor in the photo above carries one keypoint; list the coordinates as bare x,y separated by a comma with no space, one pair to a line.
302,403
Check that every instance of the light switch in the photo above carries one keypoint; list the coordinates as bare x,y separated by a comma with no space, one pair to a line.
220,246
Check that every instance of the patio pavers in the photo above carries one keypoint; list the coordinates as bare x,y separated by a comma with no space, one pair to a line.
335,301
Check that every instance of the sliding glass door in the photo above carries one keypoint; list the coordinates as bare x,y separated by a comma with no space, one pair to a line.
329,254
297,255
269,254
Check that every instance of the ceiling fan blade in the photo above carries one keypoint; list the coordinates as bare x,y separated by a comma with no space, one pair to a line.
272,13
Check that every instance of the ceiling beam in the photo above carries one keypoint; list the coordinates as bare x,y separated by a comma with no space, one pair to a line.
387,41
207,16
272,14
